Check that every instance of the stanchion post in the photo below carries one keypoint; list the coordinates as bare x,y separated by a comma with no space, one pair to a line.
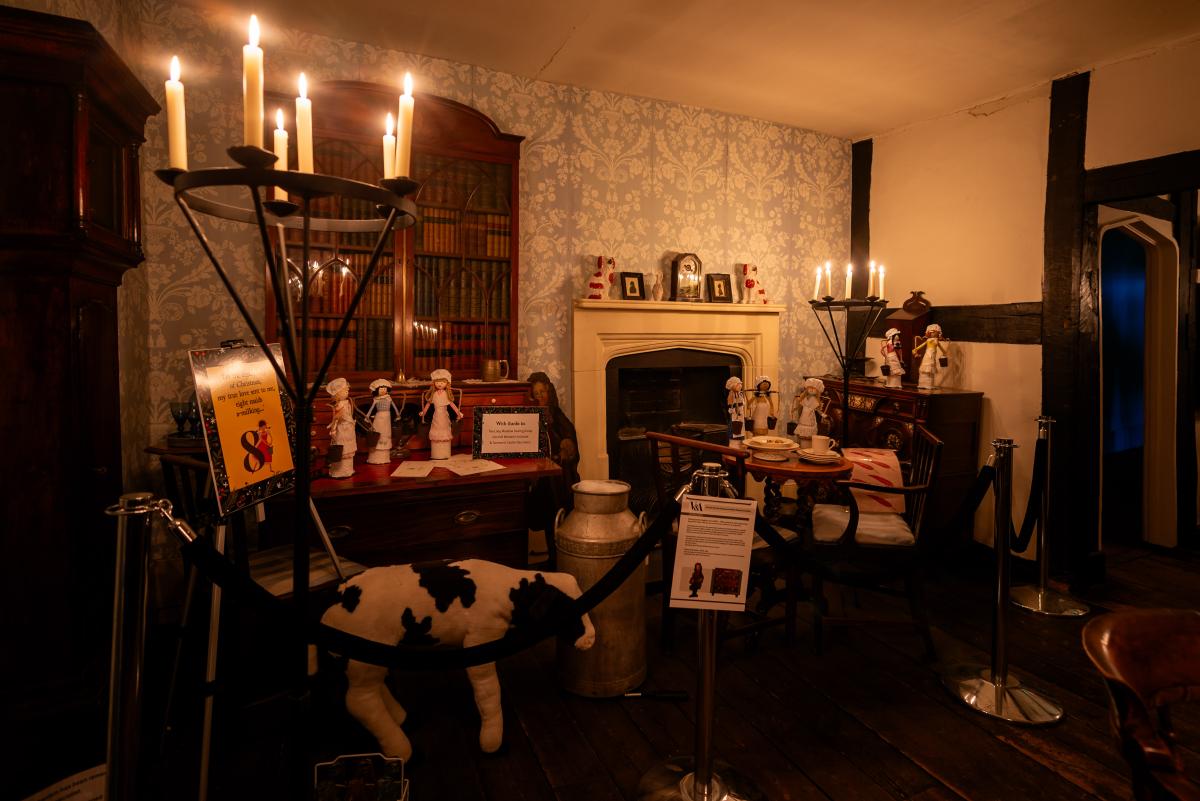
989,688
1041,599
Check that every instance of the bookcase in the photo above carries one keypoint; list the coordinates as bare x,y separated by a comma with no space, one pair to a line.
445,294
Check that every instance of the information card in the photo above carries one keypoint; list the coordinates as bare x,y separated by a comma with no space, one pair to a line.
712,557
509,432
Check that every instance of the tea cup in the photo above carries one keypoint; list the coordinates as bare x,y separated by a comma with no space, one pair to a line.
822,443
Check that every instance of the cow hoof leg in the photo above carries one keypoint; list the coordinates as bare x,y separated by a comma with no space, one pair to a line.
491,735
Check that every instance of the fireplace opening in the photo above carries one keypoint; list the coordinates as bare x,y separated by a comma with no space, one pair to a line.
676,390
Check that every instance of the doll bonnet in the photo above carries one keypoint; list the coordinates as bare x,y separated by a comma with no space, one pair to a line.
440,374
933,328
337,385
891,332
733,381
758,381
814,383
380,382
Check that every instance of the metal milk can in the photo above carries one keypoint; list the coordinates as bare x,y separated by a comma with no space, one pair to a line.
591,539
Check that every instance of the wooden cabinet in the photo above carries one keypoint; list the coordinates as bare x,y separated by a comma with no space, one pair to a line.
70,218
446,293
883,417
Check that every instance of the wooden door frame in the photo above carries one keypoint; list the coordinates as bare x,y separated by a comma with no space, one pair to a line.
1071,323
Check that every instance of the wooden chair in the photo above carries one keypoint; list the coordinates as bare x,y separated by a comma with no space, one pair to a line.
873,550
1150,659
673,460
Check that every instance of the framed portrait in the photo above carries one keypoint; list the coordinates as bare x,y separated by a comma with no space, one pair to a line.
685,278
720,287
633,286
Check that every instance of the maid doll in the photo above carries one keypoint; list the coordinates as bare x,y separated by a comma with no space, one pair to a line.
383,409
806,408
935,361
341,429
892,368
763,407
439,401
735,407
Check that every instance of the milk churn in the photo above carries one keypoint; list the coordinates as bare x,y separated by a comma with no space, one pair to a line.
591,539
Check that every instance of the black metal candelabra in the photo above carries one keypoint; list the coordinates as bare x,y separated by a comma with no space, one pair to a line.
257,175
872,307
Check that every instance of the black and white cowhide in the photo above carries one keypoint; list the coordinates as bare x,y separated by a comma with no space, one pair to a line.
460,603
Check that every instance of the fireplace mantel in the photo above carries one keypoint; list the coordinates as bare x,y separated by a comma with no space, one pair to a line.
602,330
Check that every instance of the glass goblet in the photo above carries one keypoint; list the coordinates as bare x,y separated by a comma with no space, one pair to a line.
179,413
194,418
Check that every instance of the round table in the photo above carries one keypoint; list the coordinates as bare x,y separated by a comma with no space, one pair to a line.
776,474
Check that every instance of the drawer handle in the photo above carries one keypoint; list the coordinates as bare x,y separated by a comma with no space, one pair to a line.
466,517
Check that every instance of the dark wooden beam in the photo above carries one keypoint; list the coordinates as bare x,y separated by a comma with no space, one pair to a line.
860,233
1154,207
1177,172
1008,323
1070,379
1185,445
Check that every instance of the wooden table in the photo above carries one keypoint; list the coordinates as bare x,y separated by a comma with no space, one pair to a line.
776,474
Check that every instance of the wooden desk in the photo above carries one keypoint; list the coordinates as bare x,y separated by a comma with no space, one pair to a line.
443,516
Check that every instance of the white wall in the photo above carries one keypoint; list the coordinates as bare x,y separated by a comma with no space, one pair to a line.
1144,107
957,210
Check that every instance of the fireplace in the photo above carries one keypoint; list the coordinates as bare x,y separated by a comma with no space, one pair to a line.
727,336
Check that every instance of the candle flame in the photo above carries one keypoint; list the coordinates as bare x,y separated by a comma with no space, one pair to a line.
253,30
303,85
391,124
174,68
408,84
827,265
279,118
872,264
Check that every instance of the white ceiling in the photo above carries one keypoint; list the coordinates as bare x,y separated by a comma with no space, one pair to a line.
848,67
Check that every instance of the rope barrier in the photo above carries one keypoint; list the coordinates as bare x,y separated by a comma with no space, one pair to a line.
1033,507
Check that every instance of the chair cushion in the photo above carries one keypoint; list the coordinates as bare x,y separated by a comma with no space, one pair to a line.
874,528
788,535
876,466
272,568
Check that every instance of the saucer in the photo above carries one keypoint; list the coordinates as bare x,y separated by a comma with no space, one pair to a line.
770,443
809,455
769,456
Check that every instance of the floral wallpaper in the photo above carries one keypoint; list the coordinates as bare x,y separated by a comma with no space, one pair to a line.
601,174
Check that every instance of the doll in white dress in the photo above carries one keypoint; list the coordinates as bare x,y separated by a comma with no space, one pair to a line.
439,401
383,411
806,409
763,407
935,357
735,408
892,367
341,429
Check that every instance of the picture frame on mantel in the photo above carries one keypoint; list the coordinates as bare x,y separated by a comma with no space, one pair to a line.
720,287
686,269
633,286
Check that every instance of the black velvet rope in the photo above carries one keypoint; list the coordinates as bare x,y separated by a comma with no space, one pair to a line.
410,657
1033,507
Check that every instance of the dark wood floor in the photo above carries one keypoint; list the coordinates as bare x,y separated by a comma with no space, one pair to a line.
869,719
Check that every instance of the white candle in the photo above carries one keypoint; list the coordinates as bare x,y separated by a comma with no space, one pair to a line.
828,281
882,273
281,156
871,282
404,131
176,120
849,280
252,88
817,283
304,147
389,149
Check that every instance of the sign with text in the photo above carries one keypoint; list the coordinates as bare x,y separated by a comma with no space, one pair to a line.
248,425
510,432
712,555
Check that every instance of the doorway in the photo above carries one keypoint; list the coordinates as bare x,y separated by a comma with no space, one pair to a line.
1139,274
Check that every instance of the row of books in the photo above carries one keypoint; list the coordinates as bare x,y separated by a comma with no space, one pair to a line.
460,288
368,345
457,346
331,289
458,182
470,233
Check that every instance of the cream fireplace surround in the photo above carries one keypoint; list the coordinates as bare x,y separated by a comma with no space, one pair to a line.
602,330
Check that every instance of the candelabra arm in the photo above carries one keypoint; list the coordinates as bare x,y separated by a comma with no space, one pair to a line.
278,286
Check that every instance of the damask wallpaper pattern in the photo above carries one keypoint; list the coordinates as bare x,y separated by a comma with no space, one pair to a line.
601,174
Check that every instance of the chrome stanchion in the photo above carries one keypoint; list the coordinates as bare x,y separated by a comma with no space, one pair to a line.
701,778
990,689
1041,599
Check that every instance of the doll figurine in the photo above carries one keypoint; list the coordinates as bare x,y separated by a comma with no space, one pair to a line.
383,410
439,401
935,361
342,437
892,368
806,408
763,407
735,407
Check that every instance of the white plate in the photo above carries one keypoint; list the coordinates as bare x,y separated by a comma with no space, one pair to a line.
770,456
771,444
819,458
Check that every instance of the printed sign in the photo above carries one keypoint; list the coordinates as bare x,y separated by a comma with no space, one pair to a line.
712,556
248,422
510,432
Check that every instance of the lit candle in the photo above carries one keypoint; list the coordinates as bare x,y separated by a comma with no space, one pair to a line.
304,150
252,88
871,282
817,284
404,132
882,274
849,277
281,157
828,281
176,120
389,149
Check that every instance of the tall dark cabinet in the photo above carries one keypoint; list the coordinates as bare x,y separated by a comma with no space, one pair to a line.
72,122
